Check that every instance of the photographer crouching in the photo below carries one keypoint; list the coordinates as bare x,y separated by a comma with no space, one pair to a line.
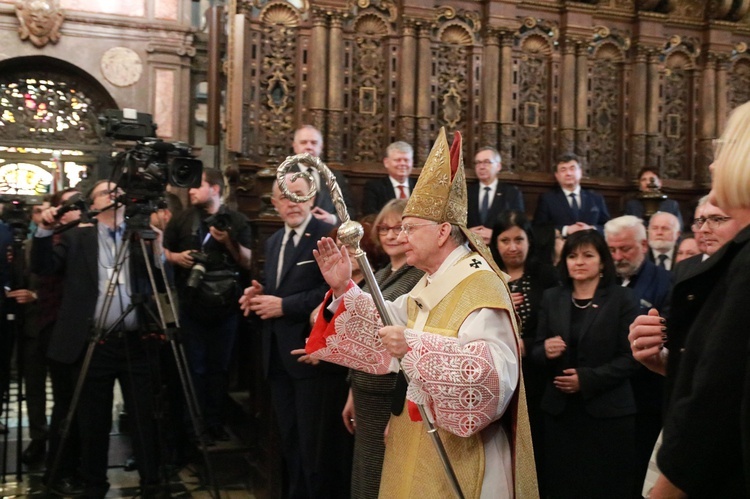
208,244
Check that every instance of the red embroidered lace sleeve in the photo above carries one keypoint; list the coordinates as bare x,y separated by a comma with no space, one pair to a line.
460,385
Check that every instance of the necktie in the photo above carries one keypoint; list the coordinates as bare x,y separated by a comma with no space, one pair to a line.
662,260
574,205
401,192
287,255
485,206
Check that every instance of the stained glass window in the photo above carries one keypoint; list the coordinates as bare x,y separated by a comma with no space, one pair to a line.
54,118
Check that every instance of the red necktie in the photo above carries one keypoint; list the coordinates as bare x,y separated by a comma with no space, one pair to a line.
401,192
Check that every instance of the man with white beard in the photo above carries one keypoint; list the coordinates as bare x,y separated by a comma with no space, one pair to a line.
663,233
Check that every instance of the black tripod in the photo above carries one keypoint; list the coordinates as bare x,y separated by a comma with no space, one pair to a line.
164,319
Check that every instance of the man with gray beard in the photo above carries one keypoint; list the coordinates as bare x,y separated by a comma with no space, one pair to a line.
626,238
663,233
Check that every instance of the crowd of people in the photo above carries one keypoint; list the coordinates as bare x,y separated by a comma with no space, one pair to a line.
568,355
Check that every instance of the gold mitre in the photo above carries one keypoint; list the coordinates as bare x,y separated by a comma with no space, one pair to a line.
440,193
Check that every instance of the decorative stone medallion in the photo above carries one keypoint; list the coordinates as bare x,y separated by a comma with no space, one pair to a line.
121,66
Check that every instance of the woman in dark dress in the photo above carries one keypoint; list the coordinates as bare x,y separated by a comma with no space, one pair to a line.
588,404
368,409
514,250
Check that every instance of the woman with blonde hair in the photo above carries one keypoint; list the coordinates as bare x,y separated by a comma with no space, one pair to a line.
705,448
368,408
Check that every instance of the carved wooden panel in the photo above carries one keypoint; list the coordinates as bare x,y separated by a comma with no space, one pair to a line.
276,91
739,82
534,85
369,92
605,118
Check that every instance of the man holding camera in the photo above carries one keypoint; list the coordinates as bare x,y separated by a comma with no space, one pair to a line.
209,244
86,259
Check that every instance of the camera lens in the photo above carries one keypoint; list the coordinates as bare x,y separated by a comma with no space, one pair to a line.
196,275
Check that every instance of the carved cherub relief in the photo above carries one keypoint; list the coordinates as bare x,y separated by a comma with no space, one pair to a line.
40,21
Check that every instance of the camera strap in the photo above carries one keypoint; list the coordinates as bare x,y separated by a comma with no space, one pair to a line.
197,230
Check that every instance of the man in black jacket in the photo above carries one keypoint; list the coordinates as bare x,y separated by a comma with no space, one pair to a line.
307,399
399,163
489,197
223,237
85,257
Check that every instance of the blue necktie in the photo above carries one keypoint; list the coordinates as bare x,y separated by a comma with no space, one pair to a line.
574,205
485,206
662,259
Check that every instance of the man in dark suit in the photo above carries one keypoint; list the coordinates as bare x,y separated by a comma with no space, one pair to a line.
569,207
626,238
308,139
307,399
648,178
6,339
663,234
489,197
85,257
398,162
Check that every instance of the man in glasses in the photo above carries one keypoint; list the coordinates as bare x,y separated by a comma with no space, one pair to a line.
488,197
85,258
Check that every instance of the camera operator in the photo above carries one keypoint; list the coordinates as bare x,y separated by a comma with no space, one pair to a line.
33,350
6,240
85,257
209,244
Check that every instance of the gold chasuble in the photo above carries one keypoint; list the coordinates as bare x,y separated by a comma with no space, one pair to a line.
412,468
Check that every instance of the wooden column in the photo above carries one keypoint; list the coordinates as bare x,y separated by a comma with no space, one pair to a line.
490,89
335,132
506,100
582,107
568,96
653,151
706,120
639,90
407,83
424,96
318,70
722,67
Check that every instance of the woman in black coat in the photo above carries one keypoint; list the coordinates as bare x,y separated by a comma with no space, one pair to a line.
588,403
514,250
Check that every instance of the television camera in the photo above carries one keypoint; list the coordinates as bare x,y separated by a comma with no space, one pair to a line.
144,170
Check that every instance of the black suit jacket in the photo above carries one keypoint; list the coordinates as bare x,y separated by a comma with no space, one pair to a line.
708,333
323,198
553,209
301,288
76,258
507,197
378,192
686,267
604,362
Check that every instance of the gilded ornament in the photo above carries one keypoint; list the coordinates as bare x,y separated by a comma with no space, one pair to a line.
40,21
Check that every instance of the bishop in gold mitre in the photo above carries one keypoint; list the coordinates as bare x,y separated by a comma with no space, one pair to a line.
457,339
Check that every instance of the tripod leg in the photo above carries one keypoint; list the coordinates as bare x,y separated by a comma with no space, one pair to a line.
181,364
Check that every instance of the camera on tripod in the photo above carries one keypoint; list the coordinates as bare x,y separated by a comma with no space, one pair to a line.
146,169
